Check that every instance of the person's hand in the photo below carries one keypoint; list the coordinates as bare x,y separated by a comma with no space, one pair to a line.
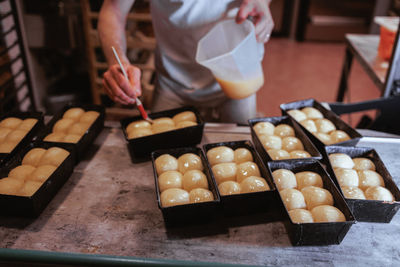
262,19
118,88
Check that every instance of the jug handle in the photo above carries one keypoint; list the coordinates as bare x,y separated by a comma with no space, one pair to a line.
260,50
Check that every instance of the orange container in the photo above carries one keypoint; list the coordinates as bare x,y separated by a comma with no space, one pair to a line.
388,30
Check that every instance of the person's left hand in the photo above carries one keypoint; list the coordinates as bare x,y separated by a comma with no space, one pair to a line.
262,19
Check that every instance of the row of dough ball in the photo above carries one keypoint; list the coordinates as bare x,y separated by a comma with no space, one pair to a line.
73,125
142,128
12,131
313,120
235,172
304,192
36,167
280,141
358,178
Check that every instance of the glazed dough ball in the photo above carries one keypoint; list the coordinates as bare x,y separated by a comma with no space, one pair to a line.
21,172
309,125
284,179
15,136
353,192
229,188
138,125
54,156
79,128
73,113
11,123
316,196
29,188
184,124
170,179
363,164
301,216
297,114
278,154
271,141
165,163
163,120
10,186
220,154
324,138
292,199
283,130
89,117
63,125
161,128
42,173
339,136
312,113
71,138
253,184
33,156
194,179
324,125
139,132
3,133
308,178
54,137
326,213
291,143
264,128
7,147
184,116
246,169
189,161
242,155
200,195
224,172
340,160
27,124
299,154
346,177
369,178
173,197
378,193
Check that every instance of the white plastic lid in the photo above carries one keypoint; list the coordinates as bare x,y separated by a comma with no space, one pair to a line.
390,23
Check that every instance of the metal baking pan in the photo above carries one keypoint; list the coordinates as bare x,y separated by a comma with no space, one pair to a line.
368,210
316,234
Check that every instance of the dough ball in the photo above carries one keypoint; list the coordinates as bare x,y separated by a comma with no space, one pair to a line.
284,179
15,136
340,160
338,136
79,128
291,143
33,156
324,138
170,179
10,186
224,172
21,172
27,124
189,161
353,192
184,116
299,154
161,128
242,155
297,114
308,178
309,125
163,120
71,138
301,216
29,188
271,142
264,127
346,177
363,164
7,147
89,117
3,133
139,132
325,213
173,197
312,113
316,196
73,113
54,137
292,199
54,156
324,125
278,154
138,125
184,124
42,173
253,184
229,188
284,130
220,154
194,179
368,178
378,193
63,125
198,195
165,163
246,169
11,123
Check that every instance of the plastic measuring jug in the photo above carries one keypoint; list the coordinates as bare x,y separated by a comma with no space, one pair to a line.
231,52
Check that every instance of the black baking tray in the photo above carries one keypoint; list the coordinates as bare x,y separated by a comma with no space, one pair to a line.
249,203
193,213
32,134
32,206
308,145
368,210
140,148
313,234
81,147
328,114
